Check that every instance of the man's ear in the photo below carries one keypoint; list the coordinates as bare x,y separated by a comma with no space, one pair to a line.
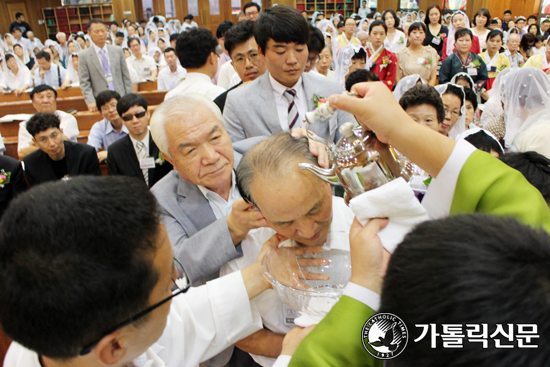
168,159
112,348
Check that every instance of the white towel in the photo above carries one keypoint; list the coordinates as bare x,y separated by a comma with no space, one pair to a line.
394,200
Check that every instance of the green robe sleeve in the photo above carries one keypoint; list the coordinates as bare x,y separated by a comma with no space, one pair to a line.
337,340
487,185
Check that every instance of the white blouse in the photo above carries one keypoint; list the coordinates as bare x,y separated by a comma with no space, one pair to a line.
399,41
13,82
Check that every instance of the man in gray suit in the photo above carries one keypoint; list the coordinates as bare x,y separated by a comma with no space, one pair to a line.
201,207
102,66
278,100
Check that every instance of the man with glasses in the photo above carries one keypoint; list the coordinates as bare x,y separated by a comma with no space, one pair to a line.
245,57
102,66
56,159
136,154
251,10
110,129
347,37
116,300
43,99
516,59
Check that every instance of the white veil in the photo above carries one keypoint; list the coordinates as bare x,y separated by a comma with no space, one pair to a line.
452,31
460,126
12,81
343,62
493,107
455,77
405,84
526,97
13,42
26,57
72,74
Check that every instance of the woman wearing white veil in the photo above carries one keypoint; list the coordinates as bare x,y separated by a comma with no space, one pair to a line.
347,62
328,29
177,26
526,97
363,26
17,77
9,41
493,107
170,27
454,101
152,36
23,54
459,20
73,47
314,16
407,83
71,77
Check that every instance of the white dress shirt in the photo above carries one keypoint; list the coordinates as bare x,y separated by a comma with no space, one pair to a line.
201,323
274,314
396,44
68,125
144,67
300,100
225,73
168,80
144,141
196,83
222,60
97,49
219,205
13,82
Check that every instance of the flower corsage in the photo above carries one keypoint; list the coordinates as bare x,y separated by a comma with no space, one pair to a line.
160,160
385,62
5,178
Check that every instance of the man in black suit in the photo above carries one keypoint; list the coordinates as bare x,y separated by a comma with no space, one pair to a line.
136,154
12,181
56,159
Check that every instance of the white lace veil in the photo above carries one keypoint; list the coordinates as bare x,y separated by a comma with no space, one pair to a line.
452,31
526,97
72,74
10,79
455,77
343,62
460,126
405,84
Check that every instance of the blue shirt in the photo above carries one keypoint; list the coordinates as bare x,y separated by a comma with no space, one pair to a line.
103,134
53,77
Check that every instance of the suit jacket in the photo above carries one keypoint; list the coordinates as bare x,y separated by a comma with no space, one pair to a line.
92,77
251,110
81,160
16,184
122,160
200,241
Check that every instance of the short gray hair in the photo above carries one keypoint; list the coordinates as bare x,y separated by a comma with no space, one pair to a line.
176,109
269,158
361,33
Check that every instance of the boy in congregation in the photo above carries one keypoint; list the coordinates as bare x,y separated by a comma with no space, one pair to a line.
279,100
56,158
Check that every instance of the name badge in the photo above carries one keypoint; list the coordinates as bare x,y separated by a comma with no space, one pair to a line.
436,41
493,69
289,314
109,78
472,71
420,60
417,183
146,163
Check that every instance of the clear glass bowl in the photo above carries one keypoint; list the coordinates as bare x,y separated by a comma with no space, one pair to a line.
313,297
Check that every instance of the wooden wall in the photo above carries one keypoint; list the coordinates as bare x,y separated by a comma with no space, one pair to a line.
34,13
497,8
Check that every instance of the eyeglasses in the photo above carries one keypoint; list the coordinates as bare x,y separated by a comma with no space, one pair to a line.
454,113
251,13
109,106
181,285
253,57
130,117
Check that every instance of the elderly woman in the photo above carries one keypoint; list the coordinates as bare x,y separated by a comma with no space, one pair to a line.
454,102
416,58
17,76
325,60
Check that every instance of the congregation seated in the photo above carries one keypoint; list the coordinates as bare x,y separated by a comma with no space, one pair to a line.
56,158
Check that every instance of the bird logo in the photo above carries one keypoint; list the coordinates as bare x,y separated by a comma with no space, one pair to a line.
384,336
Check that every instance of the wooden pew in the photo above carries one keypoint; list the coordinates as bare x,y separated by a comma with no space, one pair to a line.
68,103
69,92
148,86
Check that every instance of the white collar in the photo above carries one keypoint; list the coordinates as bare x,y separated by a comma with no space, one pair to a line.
489,61
97,48
208,193
280,89
144,141
199,76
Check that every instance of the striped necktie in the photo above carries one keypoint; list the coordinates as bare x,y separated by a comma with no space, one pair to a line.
143,153
293,114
